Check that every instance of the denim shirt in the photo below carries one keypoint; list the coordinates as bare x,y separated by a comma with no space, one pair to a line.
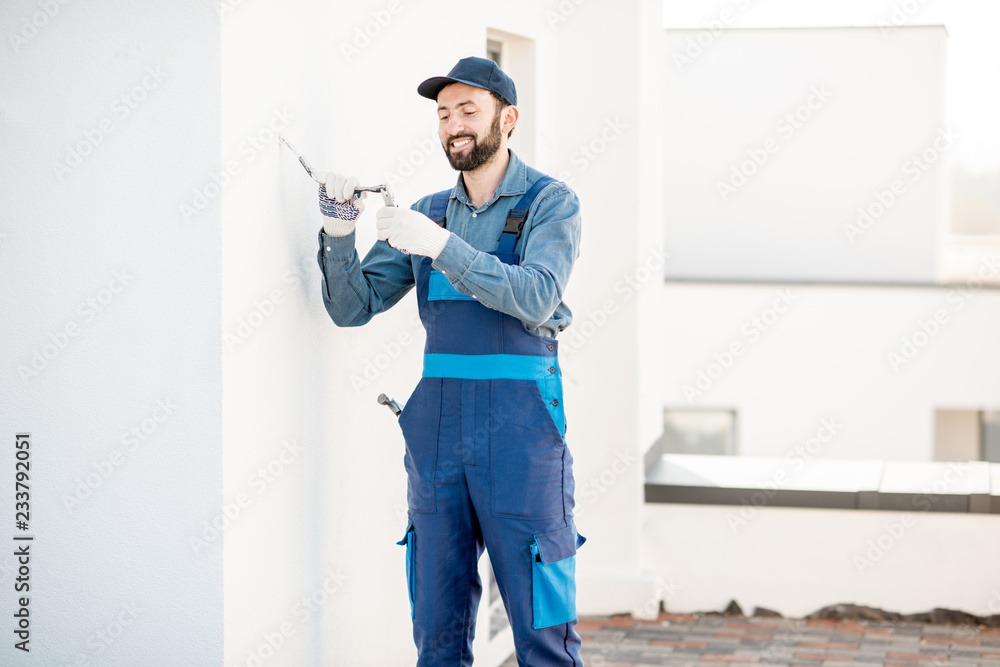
354,291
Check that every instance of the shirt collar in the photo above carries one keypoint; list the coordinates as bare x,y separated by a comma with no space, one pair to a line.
514,182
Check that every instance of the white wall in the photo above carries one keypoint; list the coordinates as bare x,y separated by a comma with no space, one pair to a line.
828,356
312,464
608,139
125,96
775,138
796,561
857,370
340,505
313,491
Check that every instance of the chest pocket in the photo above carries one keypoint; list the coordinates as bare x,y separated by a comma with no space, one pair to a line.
439,288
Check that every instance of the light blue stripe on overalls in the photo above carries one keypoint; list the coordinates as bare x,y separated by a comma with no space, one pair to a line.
504,366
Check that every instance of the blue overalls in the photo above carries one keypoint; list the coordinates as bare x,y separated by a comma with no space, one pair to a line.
487,465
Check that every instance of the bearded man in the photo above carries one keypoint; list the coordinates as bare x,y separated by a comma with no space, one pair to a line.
486,460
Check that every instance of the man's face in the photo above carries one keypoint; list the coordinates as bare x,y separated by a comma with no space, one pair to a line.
468,125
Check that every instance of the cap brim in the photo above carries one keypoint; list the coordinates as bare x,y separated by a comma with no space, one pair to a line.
432,86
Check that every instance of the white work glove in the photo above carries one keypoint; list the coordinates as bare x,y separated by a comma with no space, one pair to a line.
410,231
338,203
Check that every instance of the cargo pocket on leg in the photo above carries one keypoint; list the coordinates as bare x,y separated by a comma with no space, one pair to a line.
553,577
408,541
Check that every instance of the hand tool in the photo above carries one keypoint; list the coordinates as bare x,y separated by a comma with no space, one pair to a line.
387,196
393,405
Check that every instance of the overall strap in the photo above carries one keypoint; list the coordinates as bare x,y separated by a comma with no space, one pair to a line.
439,205
517,216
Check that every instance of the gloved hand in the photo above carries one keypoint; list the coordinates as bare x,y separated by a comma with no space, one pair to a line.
410,231
338,203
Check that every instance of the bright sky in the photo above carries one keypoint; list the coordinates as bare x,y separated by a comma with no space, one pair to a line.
973,67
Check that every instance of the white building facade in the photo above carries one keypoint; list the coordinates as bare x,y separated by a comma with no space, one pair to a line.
720,191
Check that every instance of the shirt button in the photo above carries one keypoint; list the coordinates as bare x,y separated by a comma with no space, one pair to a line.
474,215
474,296
555,401
551,346
552,369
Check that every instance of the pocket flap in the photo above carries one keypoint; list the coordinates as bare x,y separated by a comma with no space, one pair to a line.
558,544
439,288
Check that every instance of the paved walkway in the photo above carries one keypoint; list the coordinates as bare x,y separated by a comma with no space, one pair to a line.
684,639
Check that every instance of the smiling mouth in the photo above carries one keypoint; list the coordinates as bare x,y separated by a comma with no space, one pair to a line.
459,144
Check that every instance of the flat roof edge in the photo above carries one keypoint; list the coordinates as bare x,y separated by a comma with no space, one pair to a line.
820,27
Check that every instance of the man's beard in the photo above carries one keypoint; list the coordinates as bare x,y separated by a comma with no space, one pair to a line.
480,153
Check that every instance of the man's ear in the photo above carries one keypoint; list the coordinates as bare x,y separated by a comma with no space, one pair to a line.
510,115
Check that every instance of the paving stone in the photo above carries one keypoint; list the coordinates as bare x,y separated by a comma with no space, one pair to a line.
696,640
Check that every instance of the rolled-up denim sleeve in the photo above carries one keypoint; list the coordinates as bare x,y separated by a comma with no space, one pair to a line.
354,290
533,289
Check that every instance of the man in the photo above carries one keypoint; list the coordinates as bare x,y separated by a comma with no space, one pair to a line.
485,457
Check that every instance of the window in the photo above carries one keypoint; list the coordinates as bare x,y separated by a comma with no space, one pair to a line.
698,432
515,54
967,435
494,51
989,424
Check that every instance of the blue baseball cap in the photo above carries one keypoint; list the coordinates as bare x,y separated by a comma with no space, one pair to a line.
472,71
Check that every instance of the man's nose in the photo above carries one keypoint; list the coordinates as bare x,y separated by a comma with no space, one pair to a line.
455,126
